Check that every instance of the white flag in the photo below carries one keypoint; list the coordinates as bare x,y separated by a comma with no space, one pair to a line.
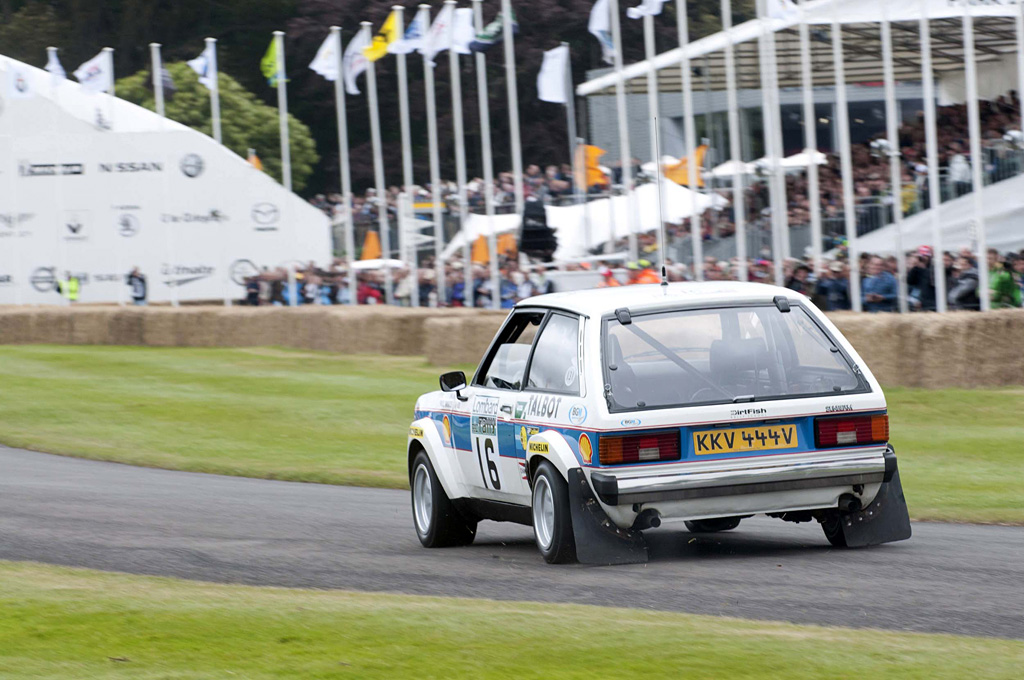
412,41
439,36
600,26
54,67
645,8
326,60
551,85
355,61
97,74
463,32
203,66
20,84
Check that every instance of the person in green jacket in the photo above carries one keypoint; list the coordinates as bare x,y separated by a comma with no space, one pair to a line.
1003,286
69,288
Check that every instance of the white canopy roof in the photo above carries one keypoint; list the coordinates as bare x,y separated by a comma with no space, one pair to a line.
993,24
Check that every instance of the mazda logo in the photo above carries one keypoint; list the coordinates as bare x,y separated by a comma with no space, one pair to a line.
192,165
265,213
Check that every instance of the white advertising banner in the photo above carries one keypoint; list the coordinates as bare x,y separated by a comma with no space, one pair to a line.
83,200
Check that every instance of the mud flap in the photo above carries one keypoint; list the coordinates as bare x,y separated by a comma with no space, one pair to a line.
598,540
884,521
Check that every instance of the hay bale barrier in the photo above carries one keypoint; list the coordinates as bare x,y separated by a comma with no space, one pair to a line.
960,349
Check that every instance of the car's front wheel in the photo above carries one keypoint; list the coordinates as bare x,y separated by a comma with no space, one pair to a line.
438,522
714,525
552,521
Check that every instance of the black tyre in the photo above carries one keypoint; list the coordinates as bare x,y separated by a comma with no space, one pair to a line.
713,525
832,525
437,522
552,520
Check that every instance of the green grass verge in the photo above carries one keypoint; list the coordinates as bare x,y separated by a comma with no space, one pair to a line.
321,417
71,623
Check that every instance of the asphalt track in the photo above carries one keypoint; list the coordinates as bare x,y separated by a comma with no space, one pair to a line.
949,578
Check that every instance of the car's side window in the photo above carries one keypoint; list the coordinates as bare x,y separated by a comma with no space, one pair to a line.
505,366
554,367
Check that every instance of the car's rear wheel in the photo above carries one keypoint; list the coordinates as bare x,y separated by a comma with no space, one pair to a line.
832,525
552,521
437,521
710,526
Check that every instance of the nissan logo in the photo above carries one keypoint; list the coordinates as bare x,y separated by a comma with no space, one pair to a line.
192,165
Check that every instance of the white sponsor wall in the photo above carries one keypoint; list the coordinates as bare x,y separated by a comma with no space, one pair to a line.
80,197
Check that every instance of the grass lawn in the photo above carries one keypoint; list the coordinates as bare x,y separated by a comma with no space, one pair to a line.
71,623
324,417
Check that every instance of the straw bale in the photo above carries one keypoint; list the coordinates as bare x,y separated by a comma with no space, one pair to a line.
459,340
126,327
91,326
159,327
51,326
15,326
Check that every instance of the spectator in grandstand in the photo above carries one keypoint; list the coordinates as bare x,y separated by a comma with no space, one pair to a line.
798,280
964,291
136,280
921,280
1003,288
879,287
252,291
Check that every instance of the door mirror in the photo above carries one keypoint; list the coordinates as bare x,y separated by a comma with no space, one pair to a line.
455,381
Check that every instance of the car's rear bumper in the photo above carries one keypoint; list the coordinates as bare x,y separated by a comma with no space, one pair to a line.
818,470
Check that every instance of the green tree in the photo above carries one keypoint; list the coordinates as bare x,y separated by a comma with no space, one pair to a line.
246,122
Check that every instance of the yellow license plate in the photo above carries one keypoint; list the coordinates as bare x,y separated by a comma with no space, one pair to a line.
739,440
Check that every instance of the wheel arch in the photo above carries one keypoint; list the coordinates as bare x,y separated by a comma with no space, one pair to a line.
551,446
424,436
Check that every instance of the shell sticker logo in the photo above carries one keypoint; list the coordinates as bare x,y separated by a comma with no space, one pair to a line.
586,450
447,429
522,437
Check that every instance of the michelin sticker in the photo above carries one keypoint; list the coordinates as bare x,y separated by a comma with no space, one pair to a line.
577,414
538,447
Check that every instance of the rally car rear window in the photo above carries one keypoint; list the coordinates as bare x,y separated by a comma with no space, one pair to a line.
723,355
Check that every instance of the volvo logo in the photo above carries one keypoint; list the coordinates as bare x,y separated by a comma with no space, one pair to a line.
241,270
192,165
44,279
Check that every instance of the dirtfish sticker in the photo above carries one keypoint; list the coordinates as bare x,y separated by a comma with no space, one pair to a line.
538,447
486,425
525,434
415,431
577,414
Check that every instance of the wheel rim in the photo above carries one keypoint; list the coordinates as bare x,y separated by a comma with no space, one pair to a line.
422,499
543,512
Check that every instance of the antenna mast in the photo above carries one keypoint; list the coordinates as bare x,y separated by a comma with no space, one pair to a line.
661,205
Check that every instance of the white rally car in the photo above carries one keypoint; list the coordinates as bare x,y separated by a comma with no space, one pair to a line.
596,415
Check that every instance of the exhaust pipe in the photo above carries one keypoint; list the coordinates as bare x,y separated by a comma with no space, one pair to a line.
849,503
648,519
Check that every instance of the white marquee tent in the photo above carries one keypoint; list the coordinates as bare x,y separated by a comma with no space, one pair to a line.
92,185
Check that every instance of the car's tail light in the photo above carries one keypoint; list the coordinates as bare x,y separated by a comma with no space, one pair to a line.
851,430
650,447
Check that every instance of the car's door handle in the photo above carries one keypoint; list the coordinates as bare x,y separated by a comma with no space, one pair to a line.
507,408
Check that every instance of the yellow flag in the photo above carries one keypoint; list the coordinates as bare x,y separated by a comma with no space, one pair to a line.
387,34
680,173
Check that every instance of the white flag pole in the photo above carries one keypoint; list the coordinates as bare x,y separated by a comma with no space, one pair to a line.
690,130
211,46
485,143
511,85
344,169
625,153
735,152
403,112
435,164
158,79
652,113
574,144
810,138
378,167
845,161
778,174
932,153
895,166
460,160
282,110
977,162
109,51
770,112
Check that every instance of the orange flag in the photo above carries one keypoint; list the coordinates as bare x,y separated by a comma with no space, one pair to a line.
680,172
587,157
371,246
481,252
254,160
